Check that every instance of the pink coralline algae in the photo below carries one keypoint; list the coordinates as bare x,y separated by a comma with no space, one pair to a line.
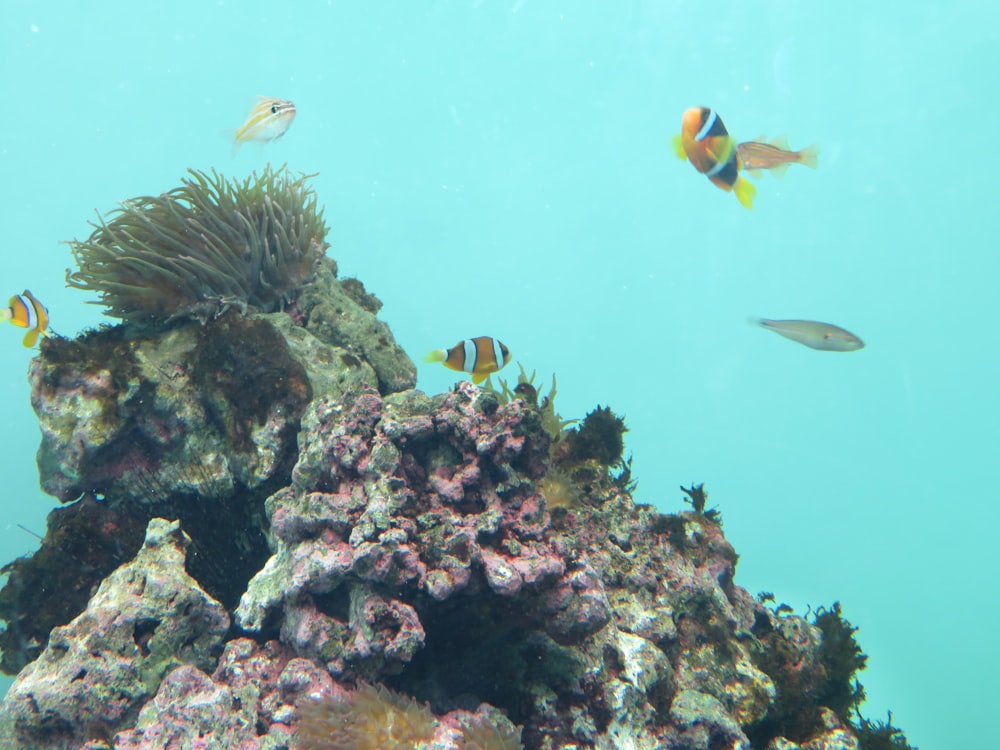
410,548
431,497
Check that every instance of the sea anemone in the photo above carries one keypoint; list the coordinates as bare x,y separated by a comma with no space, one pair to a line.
372,718
559,489
484,735
203,247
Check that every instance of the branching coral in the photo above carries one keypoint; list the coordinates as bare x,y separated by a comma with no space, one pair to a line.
203,247
371,718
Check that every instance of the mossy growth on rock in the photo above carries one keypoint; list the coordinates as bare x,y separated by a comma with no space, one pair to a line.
598,438
880,735
803,687
697,498
842,659
583,454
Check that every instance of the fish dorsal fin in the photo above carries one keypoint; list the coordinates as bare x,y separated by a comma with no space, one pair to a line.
780,141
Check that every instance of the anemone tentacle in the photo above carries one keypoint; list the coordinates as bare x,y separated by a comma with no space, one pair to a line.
204,246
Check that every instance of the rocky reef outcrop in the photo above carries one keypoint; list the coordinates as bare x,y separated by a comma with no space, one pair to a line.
274,538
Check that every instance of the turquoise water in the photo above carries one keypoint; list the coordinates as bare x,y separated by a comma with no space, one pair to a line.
505,168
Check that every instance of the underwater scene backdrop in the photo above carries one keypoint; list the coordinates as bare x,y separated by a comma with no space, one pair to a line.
506,169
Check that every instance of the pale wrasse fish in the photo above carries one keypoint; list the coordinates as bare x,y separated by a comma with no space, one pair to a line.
823,336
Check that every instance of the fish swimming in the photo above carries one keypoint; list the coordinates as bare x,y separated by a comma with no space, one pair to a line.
823,336
705,142
480,357
775,155
268,120
25,311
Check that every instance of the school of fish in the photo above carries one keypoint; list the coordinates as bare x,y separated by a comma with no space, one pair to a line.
704,141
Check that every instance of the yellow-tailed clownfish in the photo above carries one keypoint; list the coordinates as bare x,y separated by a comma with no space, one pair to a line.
268,119
27,312
705,142
480,356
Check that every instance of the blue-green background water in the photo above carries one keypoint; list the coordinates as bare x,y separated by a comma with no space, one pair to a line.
504,168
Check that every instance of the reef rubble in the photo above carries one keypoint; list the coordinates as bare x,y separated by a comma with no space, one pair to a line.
289,529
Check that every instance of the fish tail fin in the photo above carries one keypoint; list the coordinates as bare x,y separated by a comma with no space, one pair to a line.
810,156
232,135
745,191
438,355
5,313
679,151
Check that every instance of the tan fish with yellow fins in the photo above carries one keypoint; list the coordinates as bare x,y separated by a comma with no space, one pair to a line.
269,119
705,142
480,357
25,311
823,336
775,155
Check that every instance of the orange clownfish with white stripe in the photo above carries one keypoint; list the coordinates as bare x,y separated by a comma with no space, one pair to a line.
27,312
705,142
480,357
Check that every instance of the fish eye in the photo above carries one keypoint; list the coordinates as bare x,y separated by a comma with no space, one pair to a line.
274,109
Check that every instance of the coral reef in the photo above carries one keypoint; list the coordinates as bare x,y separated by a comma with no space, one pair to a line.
272,541
205,246
148,617
412,549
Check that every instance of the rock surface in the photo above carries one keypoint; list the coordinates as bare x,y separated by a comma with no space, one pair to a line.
145,619
356,532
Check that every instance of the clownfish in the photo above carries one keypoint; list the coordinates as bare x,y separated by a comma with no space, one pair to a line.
775,155
268,120
823,336
27,312
705,142
479,357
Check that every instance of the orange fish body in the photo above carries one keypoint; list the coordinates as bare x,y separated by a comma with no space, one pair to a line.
25,311
705,142
774,155
480,357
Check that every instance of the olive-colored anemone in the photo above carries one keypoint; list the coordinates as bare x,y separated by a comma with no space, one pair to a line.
203,247
371,718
